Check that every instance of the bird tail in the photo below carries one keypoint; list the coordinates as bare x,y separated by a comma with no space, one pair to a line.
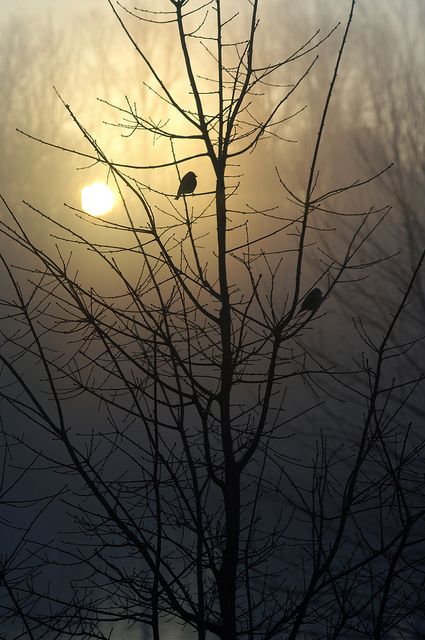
177,197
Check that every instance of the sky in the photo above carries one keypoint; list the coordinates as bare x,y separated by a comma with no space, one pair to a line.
372,121
57,6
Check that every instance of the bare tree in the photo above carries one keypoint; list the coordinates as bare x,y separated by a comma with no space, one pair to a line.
170,369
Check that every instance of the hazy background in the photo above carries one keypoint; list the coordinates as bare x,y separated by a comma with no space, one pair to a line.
376,118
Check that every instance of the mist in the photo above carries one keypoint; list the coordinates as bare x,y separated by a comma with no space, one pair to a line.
116,319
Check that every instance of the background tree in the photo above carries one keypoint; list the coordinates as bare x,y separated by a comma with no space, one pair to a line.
178,385
390,95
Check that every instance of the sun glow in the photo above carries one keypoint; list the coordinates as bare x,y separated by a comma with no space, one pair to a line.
97,199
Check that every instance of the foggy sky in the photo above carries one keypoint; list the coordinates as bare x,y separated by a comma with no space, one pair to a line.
377,109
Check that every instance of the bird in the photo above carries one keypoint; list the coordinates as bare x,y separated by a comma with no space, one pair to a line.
187,184
312,301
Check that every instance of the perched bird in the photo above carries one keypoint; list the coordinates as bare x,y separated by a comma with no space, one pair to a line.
187,184
312,301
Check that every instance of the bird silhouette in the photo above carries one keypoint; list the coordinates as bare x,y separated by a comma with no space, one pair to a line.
312,301
187,184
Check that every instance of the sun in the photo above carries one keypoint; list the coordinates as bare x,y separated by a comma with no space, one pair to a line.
97,199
